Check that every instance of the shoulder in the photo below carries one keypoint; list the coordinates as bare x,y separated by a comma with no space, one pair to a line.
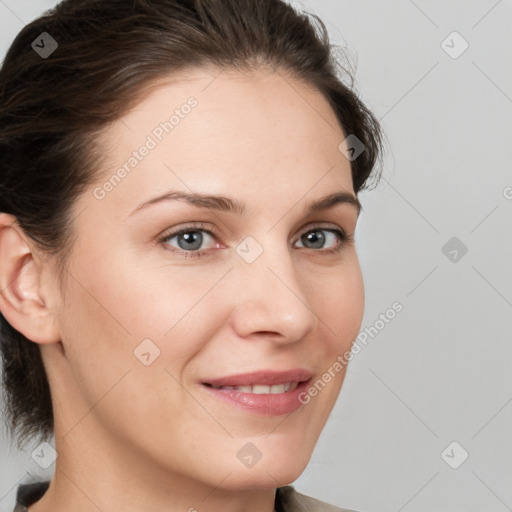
291,500
29,493
287,499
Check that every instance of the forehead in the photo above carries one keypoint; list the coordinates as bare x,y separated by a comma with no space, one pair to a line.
207,129
233,99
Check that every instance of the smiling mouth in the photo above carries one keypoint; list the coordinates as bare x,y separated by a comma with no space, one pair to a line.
263,392
260,389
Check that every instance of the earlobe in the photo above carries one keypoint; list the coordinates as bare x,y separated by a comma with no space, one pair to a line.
22,302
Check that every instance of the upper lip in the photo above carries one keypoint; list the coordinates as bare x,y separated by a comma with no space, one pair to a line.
264,377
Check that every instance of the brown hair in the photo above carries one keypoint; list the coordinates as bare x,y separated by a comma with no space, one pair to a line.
52,108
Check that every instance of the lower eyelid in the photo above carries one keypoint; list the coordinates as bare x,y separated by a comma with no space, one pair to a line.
338,233
341,236
165,239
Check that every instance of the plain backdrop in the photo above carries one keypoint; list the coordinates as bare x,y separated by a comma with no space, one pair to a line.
424,418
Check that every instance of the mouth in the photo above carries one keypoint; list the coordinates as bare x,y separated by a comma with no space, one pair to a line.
260,389
265,392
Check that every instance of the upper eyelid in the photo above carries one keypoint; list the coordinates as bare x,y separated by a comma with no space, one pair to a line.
320,225
213,231
191,227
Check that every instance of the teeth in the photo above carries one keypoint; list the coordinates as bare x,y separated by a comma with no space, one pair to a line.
261,389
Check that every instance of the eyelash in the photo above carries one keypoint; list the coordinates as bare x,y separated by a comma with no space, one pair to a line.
343,239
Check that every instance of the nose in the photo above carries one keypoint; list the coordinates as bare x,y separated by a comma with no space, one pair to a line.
271,302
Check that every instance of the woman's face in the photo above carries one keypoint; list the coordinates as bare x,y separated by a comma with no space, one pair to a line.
258,282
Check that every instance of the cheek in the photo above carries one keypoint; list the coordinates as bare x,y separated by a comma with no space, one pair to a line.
116,310
107,314
338,300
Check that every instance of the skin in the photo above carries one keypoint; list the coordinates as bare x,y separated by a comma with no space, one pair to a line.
133,437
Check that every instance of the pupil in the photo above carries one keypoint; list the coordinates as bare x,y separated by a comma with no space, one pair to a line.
190,240
316,239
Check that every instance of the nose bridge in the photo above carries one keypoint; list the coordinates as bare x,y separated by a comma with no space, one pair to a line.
271,298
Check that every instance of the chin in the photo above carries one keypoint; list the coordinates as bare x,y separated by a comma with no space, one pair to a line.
277,470
261,480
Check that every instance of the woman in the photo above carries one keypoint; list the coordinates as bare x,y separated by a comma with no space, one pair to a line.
180,280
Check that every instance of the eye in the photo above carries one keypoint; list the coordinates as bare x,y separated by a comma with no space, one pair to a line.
190,239
330,239
195,241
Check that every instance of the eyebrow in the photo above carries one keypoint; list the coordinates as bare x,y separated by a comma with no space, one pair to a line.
227,204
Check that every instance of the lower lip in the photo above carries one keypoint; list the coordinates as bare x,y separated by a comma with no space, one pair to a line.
266,404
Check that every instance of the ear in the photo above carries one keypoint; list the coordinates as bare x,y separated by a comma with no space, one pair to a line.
24,302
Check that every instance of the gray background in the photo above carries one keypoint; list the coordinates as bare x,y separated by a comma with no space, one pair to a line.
439,372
